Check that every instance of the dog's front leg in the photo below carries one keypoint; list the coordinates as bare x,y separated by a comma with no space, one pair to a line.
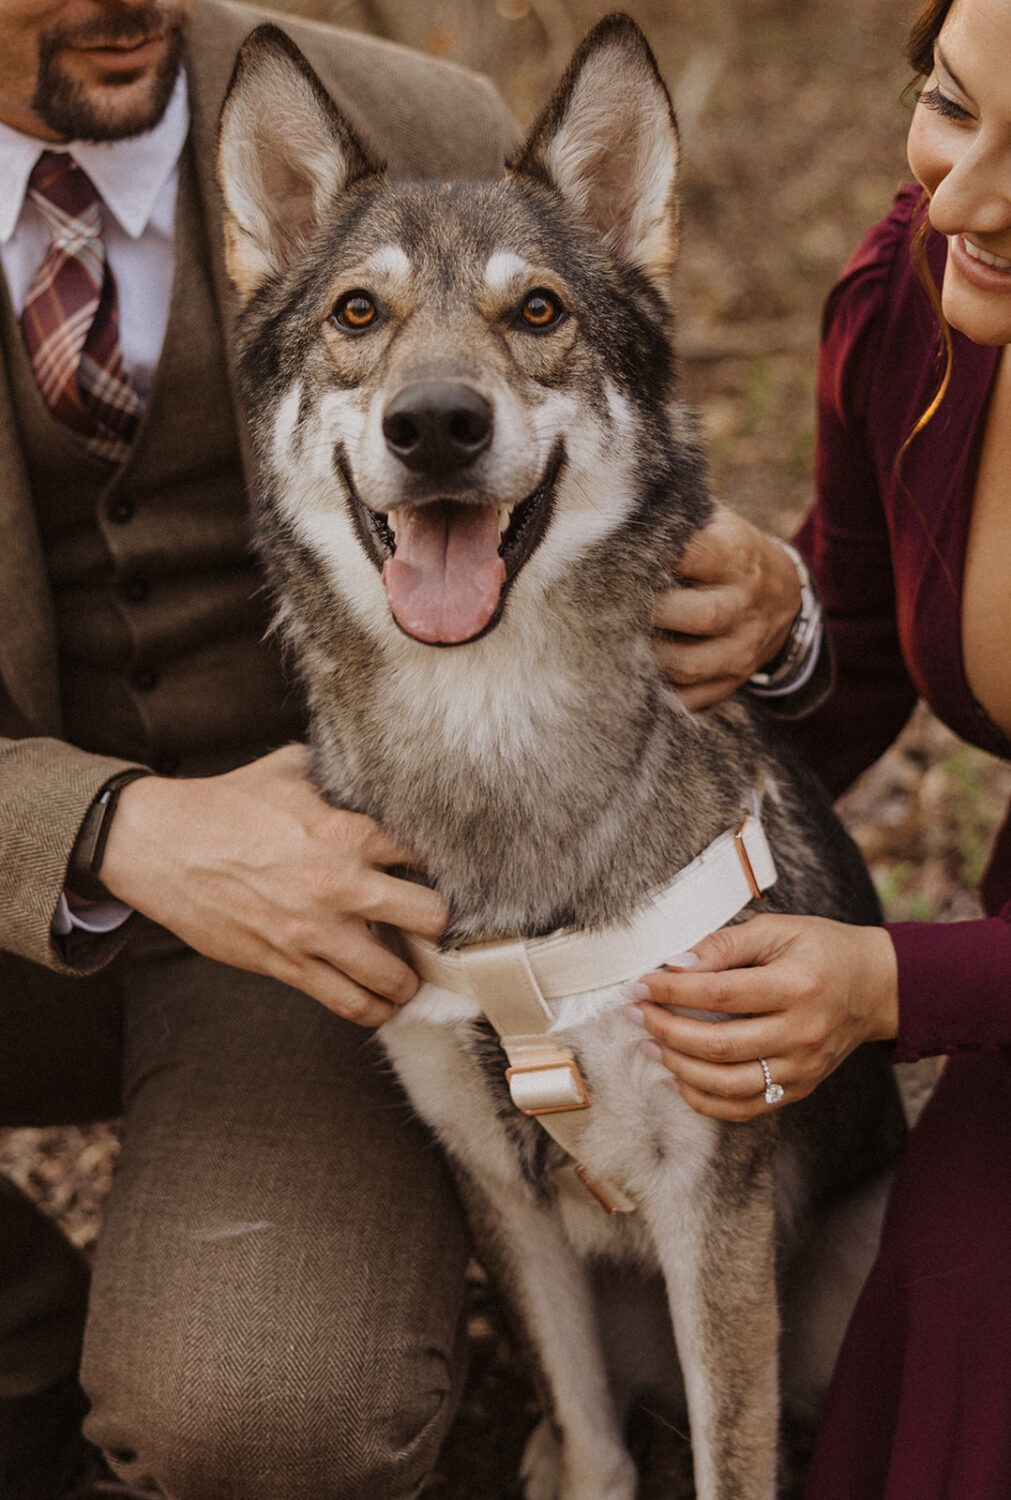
717,1252
578,1452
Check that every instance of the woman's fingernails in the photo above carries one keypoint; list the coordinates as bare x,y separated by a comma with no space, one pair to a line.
635,1014
683,961
651,1049
635,991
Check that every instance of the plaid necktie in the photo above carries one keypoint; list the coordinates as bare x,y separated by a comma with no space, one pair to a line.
70,320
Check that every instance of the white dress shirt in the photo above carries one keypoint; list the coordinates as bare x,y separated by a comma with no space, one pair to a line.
137,178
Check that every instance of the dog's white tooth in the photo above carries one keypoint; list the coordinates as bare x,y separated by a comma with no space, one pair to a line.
393,520
505,515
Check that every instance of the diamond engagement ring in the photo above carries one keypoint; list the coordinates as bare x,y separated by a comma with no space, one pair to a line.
773,1091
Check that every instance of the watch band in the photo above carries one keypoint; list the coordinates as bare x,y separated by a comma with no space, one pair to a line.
795,662
89,846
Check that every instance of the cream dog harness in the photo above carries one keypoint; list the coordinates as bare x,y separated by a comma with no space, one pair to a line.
519,984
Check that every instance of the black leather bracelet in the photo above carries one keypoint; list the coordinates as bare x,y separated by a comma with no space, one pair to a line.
89,846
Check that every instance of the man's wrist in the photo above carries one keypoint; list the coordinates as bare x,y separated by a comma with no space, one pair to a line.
83,870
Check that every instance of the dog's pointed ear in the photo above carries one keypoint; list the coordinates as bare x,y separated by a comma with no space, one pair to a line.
284,152
608,142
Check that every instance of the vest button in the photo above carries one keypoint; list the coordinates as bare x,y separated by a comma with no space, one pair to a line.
134,590
144,679
121,511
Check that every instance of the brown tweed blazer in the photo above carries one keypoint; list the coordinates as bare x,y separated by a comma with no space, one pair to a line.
427,119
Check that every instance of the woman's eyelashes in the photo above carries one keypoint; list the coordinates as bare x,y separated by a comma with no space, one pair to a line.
936,100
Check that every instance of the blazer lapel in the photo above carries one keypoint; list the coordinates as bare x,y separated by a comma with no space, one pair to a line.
214,40
28,665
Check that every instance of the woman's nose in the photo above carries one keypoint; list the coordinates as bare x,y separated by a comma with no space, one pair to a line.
974,196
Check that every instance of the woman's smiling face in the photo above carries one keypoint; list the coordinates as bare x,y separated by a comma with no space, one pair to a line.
960,150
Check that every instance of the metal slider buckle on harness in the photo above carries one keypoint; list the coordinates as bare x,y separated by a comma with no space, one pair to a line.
595,1190
742,850
535,1092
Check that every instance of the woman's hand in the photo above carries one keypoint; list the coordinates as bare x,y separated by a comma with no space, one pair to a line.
734,616
800,992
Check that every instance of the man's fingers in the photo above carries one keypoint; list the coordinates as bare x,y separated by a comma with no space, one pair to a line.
358,954
293,758
402,903
360,979
340,994
261,873
380,848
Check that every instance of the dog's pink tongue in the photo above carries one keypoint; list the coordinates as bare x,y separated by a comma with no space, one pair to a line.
445,578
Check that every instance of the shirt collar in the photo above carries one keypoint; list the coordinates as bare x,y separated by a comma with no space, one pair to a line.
129,174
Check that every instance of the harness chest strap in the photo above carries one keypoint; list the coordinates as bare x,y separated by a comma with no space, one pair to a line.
514,982
544,1076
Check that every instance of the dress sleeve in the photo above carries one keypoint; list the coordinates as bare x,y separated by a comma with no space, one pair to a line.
954,977
954,990
845,537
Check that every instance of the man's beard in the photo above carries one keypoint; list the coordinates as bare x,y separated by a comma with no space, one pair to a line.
70,108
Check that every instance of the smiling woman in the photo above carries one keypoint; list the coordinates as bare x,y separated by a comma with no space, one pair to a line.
76,70
960,150
909,542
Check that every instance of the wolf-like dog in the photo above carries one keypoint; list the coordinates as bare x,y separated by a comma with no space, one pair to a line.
473,475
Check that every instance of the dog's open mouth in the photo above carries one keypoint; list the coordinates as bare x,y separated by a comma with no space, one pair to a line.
447,564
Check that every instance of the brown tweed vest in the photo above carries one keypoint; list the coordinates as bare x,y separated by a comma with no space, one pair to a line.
159,607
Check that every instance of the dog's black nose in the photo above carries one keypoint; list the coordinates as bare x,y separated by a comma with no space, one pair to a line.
438,426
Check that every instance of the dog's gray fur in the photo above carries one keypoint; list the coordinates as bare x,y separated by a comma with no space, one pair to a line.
538,765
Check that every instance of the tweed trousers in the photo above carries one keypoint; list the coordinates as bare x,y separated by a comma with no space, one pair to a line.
276,1308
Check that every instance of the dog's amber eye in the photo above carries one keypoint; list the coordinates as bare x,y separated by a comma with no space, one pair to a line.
541,310
355,311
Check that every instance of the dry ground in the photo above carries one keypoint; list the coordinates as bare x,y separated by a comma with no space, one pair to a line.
793,127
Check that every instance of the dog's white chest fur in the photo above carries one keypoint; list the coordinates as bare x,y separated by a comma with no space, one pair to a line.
637,1130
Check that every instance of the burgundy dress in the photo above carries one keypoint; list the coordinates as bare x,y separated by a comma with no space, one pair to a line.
920,1407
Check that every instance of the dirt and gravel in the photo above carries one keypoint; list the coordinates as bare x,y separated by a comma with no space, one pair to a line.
793,122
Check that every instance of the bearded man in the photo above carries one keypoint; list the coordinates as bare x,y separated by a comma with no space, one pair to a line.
276,1308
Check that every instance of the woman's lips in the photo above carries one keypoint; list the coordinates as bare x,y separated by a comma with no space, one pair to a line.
977,273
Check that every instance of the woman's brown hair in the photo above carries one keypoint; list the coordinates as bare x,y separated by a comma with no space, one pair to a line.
921,38
923,33
920,41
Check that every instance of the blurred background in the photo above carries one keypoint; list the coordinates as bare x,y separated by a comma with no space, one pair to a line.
793,119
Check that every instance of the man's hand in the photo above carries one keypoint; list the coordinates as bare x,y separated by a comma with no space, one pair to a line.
255,869
735,615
